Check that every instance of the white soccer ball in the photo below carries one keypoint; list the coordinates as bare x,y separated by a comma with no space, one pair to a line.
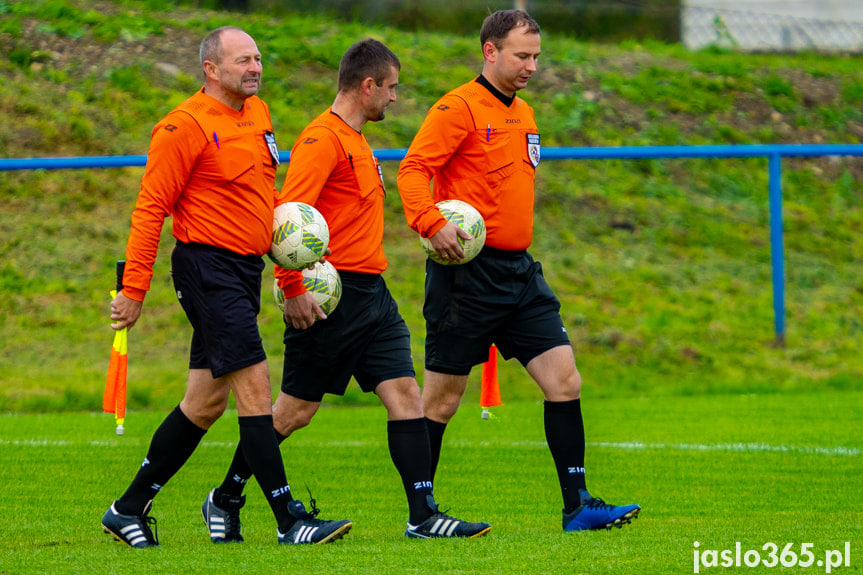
467,218
322,281
300,235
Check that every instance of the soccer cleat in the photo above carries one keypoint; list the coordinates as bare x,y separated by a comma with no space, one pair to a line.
133,530
308,530
223,518
442,525
593,513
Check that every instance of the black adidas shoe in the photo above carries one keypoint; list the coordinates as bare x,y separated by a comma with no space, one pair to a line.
308,530
223,518
593,513
133,530
442,525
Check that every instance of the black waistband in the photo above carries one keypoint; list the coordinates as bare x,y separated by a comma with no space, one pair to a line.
491,252
216,249
358,277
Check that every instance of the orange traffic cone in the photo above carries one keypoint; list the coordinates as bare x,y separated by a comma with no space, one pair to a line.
489,393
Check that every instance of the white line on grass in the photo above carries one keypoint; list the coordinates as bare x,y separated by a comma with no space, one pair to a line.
625,445
740,447
736,447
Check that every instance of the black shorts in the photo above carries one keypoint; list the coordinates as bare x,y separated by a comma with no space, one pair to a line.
220,291
364,337
499,297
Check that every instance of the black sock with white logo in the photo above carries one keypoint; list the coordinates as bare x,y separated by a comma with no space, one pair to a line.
171,446
239,472
409,449
261,451
564,432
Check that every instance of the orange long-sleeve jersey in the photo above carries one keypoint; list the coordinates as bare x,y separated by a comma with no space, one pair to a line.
334,169
213,169
473,147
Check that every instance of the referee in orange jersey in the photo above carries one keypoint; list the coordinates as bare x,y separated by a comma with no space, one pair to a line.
334,169
212,166
480,144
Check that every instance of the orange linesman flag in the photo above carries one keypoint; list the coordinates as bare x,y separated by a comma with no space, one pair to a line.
489,394
114,399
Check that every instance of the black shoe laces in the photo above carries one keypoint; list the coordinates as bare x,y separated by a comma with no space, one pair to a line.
596,503
436,510
314,512
152,535
230,507
232,522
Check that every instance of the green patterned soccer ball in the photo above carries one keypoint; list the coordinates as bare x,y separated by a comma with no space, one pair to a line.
322,281
469,219
300,235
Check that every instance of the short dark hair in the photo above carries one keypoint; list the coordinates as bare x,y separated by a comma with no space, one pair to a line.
211,45
497,26
366,58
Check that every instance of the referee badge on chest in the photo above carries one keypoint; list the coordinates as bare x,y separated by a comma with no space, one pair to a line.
270,139
533,149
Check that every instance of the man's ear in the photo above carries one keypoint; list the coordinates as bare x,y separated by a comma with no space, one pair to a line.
368,85
489,51
211,70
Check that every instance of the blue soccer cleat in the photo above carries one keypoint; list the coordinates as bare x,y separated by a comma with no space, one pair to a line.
593,513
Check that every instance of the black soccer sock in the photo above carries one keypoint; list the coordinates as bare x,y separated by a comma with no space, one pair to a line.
435,431
564,432
239,472
261,451
171,446
409,449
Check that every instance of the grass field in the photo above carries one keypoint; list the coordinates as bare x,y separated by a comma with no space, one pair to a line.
662,268
718,470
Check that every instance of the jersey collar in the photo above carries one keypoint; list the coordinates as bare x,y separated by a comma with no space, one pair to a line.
506,100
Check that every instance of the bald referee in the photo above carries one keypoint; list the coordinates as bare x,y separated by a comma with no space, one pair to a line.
212,167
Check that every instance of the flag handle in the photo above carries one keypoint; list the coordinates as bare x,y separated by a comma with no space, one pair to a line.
120,270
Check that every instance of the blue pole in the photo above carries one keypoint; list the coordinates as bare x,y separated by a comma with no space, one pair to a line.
75,163
776,247
565,153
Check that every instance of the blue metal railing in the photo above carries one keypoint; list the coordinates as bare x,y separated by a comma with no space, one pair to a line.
773,152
